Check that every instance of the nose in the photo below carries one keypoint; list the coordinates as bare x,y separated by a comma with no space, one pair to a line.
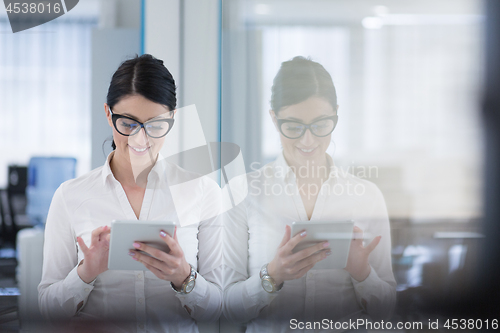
140,139
307,139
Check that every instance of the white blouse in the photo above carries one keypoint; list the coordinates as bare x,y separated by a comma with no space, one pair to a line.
255,229
130,301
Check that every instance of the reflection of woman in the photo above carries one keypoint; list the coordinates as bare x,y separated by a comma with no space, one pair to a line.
132,185
270,285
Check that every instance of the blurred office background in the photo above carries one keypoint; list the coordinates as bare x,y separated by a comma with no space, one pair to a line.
409,82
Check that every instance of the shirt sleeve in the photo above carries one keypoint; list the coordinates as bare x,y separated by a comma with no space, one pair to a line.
205,300
244,297
377,293
61,292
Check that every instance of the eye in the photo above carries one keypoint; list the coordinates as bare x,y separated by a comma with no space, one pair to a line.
128,124
294,127
320,124
157,125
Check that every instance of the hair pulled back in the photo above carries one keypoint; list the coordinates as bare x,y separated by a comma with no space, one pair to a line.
145,76
299,79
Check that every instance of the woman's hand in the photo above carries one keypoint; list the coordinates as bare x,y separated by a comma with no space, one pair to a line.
287,265
95,259
171,266
357,262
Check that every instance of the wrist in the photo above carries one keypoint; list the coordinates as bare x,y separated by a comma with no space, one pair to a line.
185,273
361,276
188,284
272,273
267,282
83,274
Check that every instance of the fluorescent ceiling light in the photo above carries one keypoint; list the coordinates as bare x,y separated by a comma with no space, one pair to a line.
377,22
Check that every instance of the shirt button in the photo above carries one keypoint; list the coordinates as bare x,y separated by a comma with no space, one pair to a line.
311,274
141,326
139,276
140,300
87,290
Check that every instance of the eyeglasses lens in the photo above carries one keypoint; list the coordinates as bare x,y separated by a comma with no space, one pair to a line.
127,126
296,130
155,129
322,127
292,130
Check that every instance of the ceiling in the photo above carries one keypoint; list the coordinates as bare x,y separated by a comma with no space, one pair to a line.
348,11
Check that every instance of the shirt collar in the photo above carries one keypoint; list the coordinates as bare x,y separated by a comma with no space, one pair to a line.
283,170
157,171
106,170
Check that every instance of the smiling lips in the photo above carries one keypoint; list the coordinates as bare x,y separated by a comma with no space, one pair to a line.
306,151
139,151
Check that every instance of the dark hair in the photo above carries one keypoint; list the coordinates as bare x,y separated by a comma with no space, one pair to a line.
145,76
299,79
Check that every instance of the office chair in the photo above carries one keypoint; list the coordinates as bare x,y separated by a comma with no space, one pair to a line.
13,205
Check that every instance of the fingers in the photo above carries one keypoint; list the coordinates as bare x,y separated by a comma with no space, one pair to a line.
84,247
159,258
286,237
96,234
312,260
357,237
159,274
167,267
152,251
304,271
173,244
105,232
294,241
147,260
357,233
310,250
370,247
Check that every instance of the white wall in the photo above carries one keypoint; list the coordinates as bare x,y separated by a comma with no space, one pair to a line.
117,40
185,35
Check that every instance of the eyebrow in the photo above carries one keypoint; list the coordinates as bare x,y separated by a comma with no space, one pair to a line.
133,117
315,119
130,116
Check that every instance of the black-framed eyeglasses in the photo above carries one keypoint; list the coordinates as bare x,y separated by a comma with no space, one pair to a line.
293,129
155,128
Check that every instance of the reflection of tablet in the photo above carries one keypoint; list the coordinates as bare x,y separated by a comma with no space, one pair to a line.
338,234
125,233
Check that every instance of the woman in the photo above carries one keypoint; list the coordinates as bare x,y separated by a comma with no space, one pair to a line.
271,287
132,185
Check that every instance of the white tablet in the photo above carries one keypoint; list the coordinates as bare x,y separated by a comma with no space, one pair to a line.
337,233
125,233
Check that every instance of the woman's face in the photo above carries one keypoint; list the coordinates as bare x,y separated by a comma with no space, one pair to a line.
309,149
139,149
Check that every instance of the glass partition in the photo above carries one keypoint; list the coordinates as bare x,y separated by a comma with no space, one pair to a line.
407,79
